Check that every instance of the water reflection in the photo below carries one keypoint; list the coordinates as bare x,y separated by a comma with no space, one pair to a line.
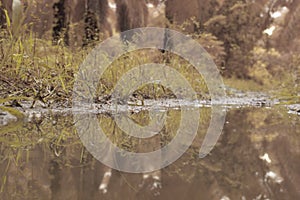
256,157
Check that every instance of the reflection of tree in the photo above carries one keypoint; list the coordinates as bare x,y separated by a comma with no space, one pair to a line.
233,168
278,135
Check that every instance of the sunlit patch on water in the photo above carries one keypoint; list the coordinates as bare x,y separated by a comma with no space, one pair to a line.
273,176
266,158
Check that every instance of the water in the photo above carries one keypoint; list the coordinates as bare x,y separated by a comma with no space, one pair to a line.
256,157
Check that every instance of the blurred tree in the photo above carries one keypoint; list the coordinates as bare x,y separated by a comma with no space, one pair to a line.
5,5
60,25
239,24
131,14
288,38
199,10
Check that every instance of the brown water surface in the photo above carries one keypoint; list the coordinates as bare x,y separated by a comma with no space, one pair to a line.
256,157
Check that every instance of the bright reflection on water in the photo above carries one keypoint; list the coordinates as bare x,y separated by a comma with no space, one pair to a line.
256,157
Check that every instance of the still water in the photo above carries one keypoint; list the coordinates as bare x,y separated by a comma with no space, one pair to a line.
256,157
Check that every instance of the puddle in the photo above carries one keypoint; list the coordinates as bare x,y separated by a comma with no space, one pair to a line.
256,157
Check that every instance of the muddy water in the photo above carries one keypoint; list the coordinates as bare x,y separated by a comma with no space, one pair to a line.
256,157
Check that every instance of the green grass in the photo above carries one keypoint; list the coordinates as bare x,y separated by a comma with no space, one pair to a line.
34,70
244,85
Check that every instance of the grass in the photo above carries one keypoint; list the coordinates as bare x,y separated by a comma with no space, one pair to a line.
35,70
244,85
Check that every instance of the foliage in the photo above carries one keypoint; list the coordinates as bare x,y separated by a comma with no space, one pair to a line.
232,33
239,25
34,68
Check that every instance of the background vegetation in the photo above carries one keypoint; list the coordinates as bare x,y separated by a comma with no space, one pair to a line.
235,32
